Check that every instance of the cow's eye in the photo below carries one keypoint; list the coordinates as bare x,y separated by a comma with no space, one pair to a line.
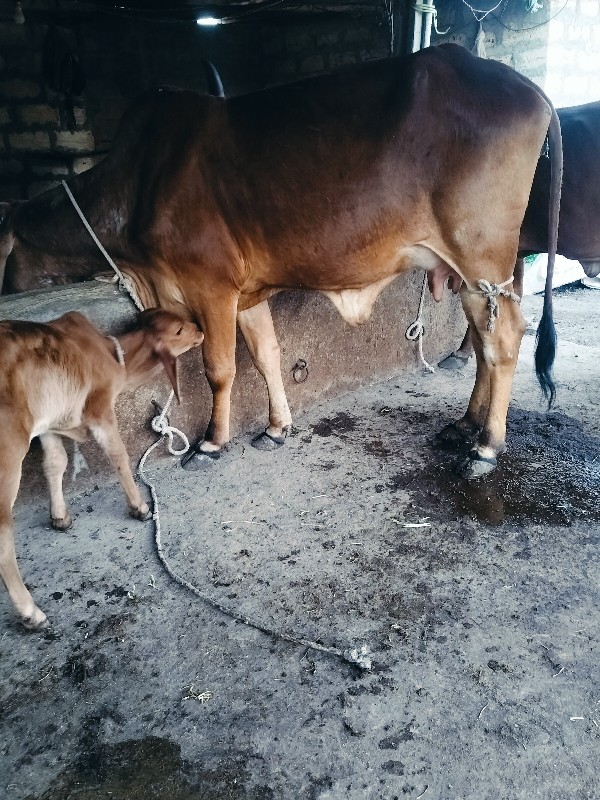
179,331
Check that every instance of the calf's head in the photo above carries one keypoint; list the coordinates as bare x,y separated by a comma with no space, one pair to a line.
168,336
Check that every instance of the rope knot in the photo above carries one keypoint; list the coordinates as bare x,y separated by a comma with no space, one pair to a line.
160,425
492,291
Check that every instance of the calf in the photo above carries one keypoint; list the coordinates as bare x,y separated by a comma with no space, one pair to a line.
63,377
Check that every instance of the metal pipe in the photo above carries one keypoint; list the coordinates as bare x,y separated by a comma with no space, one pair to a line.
417,30
427,26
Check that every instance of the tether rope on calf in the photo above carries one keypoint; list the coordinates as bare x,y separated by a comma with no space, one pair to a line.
415,331
492,291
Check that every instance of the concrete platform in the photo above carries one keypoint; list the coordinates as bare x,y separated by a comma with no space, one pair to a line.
338,357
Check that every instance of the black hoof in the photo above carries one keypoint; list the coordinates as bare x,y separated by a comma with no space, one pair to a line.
454,437
476,466
454,362
264,441
197,460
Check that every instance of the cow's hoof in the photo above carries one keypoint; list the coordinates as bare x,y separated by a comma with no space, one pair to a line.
454,436
143,513
38,621
264,441
476,466
198,460
62,523
454,362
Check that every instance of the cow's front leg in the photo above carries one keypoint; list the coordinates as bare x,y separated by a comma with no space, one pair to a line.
496,351
257,328
218,349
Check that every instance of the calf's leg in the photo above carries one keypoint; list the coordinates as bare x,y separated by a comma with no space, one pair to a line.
55,464
257,328
107,435
12,455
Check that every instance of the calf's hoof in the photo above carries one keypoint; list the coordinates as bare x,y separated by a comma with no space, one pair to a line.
197,460
62,523
142,513
36,621
264,441
476,466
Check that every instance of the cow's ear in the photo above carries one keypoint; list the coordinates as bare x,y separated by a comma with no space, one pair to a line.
170,364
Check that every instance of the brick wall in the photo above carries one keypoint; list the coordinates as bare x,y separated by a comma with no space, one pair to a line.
558,46
122,57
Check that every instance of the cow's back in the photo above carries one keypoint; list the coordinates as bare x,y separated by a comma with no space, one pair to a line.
320,167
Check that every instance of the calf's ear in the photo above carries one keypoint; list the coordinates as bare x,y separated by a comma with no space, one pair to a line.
170,364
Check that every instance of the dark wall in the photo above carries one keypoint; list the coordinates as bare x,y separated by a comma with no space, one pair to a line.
121,56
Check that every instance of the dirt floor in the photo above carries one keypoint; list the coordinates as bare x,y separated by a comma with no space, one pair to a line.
479,603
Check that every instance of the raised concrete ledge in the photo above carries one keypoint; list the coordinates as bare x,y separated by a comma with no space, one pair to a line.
339,357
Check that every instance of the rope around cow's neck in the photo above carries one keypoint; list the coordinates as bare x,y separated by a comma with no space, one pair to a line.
356,657
124,282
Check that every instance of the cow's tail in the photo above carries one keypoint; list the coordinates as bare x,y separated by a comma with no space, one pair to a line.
545,350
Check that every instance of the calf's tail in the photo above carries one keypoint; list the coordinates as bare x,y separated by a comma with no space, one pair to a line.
545,350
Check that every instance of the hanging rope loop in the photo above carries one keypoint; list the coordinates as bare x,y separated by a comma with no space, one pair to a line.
415,331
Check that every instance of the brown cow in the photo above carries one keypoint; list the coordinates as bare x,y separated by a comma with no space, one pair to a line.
337,183
63,377
579,225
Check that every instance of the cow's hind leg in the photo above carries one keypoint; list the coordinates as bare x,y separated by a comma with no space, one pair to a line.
55,464
459,358
13,449
496,351
257,328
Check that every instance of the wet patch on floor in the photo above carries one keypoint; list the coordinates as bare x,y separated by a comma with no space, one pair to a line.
147,769
549,474
336,425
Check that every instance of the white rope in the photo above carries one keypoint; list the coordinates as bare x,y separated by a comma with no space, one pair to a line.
415,330
478,11
119,350
124,282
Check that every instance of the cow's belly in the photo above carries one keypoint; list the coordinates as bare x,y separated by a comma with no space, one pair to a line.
355,304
